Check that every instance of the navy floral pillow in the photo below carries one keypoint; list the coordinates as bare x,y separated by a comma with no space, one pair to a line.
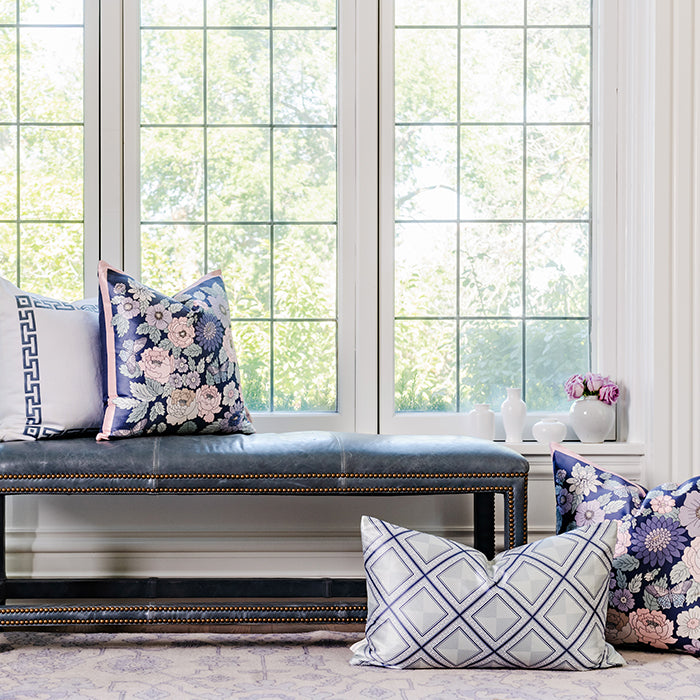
169,362
654,597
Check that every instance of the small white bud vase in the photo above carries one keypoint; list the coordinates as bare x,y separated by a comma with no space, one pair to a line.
482,422
549,430
591,419
513,412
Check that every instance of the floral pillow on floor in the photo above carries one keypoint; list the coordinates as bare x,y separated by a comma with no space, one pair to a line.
169,363
655,580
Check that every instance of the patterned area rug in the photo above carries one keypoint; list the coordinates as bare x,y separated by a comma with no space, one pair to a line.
291,666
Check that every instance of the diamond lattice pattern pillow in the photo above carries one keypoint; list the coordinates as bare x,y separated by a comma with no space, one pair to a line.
435,603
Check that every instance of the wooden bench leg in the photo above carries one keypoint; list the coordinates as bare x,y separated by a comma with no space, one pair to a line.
484,524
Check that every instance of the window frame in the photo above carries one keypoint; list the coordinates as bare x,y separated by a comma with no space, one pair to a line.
603,325
365,367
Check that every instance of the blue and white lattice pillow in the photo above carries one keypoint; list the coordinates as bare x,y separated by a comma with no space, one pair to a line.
169,362
50,370
435,603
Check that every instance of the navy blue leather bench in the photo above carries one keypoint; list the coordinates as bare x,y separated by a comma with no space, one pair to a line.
299,464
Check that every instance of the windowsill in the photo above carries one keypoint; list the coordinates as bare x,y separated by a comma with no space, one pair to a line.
635,449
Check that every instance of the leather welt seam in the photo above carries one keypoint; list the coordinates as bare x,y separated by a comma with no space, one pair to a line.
442,475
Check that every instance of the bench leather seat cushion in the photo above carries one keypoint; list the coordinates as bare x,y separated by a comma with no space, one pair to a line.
298,462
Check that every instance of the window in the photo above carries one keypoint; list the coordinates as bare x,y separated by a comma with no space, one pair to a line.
491,155
244,136
47,137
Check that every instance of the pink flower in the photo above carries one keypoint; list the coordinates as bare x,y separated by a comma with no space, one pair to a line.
180,332
689,514
691,558
593,381
157,364
652,627
208,402
609,393
575,386
158,317
618,629
624,540
182,406
662,504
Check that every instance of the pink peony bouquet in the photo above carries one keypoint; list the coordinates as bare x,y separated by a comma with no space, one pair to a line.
590,384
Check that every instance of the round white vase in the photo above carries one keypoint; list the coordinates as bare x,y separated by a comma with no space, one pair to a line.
549,430
482,422
513,412
591,419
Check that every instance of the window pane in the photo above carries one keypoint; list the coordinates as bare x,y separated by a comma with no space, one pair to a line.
172,77
305,271
490,361
172,13
492,172
558,75
425,259
252,341
491,269
50,12
51,172
426,172
426,11
8,11
238,174
8,172
557,172
8,75
239,13
238,78
425,81
304,77
172,174
303,13
59,274
425,372
242,253
304,186
558,11
8,250
557,269
554,350
492,75
305,366
172,256
493,12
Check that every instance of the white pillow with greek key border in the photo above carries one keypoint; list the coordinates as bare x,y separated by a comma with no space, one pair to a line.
50,373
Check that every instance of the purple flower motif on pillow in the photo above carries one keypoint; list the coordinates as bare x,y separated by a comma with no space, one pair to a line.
208,332
658,540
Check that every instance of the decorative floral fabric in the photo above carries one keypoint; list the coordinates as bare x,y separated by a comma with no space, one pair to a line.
434,603
655,584
170,363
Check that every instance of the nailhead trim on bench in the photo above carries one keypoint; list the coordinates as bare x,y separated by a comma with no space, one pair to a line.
477,475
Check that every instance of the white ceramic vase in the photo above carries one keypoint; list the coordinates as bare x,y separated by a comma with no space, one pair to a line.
482,422
591,419
549,430
513,412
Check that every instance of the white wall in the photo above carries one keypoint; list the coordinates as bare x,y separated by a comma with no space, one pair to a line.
658,338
